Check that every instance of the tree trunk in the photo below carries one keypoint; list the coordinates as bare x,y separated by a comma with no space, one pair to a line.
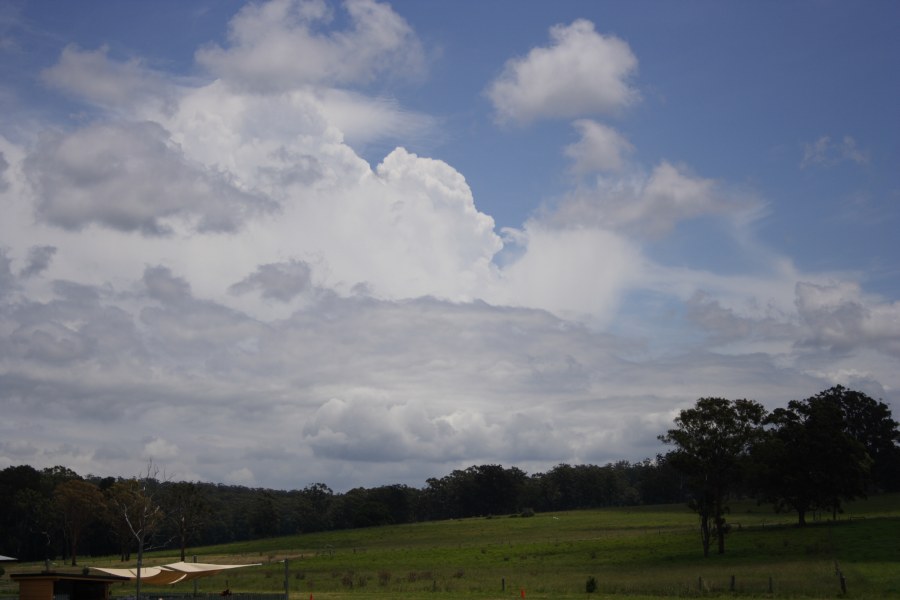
182,535
720,531
720,522
704,533
801,515
140,560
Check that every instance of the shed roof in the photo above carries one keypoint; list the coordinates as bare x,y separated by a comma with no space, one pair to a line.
56,576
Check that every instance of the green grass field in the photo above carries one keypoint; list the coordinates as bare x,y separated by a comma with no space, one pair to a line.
636,552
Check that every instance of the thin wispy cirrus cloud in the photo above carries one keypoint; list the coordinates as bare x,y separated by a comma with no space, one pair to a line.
826,152
278,243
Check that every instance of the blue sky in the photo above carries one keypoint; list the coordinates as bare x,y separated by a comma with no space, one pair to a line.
386,240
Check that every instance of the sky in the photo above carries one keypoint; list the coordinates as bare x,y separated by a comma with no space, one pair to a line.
363,243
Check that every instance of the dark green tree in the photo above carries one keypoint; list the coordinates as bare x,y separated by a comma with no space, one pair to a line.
264,517
28,527
79,504
810,460
870,423
315,501
713,441
53,476
185,506
660,482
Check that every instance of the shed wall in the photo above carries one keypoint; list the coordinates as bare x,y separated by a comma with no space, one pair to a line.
36,590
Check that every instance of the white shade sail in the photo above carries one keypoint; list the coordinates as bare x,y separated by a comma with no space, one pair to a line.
172,573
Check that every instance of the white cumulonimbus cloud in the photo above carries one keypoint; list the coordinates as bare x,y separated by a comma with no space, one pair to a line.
581,73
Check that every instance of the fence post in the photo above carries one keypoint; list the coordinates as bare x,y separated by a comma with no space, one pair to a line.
286,578
771,587
731,586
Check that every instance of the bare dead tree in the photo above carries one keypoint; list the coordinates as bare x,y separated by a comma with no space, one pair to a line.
134,501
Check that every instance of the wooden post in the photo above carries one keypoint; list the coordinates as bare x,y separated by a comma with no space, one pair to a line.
731,585
287,593
700,583
771,586
503,584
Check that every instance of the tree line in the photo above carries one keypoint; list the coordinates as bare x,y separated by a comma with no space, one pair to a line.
809,456
57,514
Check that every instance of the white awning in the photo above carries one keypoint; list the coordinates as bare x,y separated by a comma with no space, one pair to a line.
195,570
151,575
172,573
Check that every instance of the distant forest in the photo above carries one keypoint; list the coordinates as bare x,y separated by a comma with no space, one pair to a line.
810,456
34,522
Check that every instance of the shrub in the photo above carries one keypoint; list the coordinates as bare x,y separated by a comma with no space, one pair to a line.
591,585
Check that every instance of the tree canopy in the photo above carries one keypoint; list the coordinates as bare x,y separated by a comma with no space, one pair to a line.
831,447
713,442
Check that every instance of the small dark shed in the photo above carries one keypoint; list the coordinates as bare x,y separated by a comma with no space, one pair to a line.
63,586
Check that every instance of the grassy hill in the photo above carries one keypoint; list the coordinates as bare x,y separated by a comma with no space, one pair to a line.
636,551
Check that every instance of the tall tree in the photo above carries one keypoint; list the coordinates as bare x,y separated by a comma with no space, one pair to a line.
134,502
810,460
713,441
185,506
53,476
78,503
113,518
26,522
870,423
